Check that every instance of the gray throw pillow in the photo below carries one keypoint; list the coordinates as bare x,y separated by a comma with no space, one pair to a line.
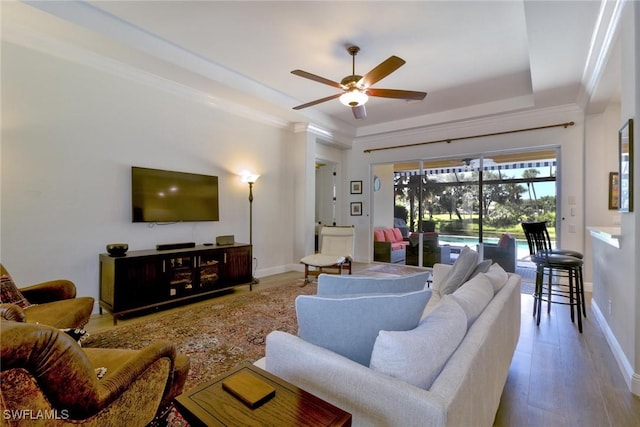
459,273
482,267
418,356
349,326
332,284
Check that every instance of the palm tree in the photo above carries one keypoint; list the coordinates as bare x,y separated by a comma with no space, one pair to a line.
531,173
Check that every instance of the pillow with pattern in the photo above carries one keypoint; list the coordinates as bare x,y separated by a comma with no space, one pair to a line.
10,294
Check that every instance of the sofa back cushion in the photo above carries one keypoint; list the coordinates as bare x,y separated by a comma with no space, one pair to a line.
397,235
417,356
473,296
497,276
504,240
349,325
333,284
388,235
378,235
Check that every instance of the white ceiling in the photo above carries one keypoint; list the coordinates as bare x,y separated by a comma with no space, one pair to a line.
474,58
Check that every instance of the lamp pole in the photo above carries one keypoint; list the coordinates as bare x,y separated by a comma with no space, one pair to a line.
251,179
251,213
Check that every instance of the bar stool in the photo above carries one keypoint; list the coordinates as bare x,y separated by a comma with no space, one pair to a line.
554,265
558,251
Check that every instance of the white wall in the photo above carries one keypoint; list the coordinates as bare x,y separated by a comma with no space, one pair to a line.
383,200
70,134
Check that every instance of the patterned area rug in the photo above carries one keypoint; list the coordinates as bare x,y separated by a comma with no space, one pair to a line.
217,335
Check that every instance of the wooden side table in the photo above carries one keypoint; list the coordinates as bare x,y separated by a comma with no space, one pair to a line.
211,405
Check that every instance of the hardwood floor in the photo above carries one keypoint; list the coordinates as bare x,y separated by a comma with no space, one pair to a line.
558,376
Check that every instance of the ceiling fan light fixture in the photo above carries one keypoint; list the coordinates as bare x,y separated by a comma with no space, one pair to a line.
354,98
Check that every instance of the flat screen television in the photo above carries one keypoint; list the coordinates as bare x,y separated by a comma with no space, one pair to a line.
169,196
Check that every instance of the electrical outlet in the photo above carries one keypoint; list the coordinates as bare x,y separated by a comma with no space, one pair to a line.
572,228
572,200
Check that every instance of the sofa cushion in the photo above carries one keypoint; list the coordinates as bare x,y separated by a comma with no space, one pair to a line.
497,276
417,356
332,284
397,235
461,271
349,326
473,296
388,235
397,246
504,240
10,294
378,235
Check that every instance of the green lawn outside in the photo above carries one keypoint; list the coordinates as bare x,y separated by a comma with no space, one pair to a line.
469,227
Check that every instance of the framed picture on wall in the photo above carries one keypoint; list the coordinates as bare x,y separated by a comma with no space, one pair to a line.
356,208
614,190
625,167
356,187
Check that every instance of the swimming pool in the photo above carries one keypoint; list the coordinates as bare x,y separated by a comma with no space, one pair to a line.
472,241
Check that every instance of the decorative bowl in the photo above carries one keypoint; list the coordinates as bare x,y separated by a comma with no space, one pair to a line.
117,249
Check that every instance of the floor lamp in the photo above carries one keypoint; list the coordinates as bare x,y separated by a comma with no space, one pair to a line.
251,179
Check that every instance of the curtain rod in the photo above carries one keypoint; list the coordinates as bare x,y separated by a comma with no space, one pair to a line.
449,140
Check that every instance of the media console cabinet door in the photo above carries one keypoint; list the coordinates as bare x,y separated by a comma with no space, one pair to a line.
237,268
151,278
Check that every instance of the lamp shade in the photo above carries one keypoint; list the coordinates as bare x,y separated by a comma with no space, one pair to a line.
249,177
354,98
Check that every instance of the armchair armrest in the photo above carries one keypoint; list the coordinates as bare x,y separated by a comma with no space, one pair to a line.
115,383
12,312
53,290
55,361
371,397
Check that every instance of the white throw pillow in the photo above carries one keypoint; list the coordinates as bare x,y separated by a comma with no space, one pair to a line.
498,277
349,326
473,296
459,273
418,356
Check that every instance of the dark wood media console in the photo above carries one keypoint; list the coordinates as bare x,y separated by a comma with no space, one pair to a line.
147,279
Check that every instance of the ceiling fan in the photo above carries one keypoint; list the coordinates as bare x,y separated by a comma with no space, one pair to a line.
357,89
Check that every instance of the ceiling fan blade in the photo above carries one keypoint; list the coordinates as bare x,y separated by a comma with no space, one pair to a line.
317,101
396,93
316,78
359,112
381,71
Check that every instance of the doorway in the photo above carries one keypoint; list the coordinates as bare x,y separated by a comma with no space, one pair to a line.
478,201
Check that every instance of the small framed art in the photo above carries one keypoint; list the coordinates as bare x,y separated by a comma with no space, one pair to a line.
356,187
614,190
625,167
356,208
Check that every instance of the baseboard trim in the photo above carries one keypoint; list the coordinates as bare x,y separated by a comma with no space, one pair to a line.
631,378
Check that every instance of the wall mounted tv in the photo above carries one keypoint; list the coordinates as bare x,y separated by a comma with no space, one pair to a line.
168,196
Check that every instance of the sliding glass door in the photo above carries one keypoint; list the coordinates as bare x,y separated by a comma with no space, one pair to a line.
477,202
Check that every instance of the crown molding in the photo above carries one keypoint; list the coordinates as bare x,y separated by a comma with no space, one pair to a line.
30,38
602,41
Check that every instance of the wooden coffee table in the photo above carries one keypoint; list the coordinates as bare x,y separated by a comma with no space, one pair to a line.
211,405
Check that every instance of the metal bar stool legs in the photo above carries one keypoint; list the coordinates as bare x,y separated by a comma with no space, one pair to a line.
552,292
